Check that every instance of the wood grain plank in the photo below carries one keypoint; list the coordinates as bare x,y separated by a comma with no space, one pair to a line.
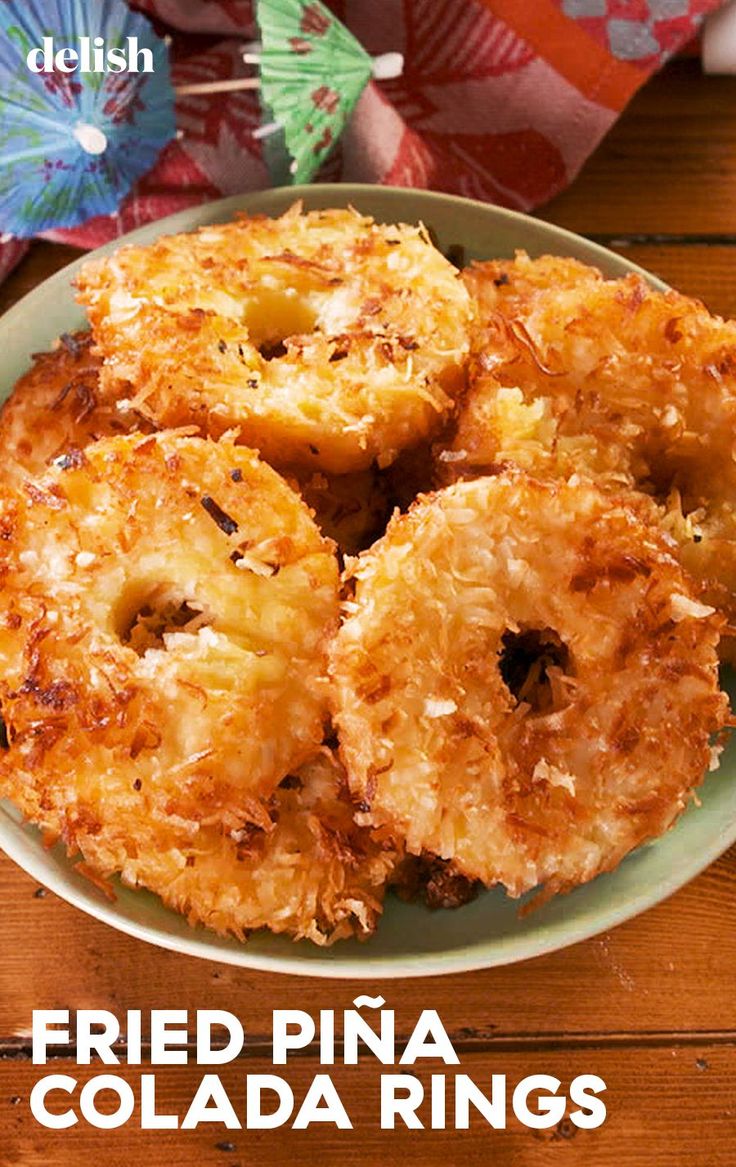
668,164
666,1108
647,976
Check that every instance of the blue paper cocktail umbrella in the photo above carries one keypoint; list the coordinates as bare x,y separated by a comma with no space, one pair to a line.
73,143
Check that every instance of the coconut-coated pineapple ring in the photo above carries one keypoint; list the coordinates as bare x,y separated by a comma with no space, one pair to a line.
524,683
614,379
53,412
53,409
306,869
165,606
327,340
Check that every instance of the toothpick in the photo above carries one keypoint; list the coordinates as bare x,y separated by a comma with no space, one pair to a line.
267,130
233,86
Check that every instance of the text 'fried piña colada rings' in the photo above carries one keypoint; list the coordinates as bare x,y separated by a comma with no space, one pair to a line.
54,409
325,339
608,377
524,683
164,611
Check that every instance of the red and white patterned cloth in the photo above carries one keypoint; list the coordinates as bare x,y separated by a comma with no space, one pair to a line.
501,100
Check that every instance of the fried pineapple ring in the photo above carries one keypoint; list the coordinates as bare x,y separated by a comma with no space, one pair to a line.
54,409
609,378
509,285
305,869
326,339
524,684
163,617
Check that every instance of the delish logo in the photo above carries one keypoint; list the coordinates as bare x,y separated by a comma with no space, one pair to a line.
91,57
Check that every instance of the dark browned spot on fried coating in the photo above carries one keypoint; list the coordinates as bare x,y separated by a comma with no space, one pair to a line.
224,521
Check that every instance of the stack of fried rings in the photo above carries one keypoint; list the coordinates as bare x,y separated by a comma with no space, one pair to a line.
523,683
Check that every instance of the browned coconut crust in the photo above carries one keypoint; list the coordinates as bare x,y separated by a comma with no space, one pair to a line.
54,409
164,612
524,683
327,340
575,374
305,870
508,285
309,871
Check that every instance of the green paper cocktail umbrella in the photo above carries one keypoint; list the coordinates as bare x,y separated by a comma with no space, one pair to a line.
312,72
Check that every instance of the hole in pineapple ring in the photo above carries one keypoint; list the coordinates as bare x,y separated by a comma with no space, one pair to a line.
144,618
528,661
273,316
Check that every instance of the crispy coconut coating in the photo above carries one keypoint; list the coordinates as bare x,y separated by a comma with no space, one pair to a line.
308,871
305,869
573,373
164,612
508,285
54,409
524,682
498,425
326,339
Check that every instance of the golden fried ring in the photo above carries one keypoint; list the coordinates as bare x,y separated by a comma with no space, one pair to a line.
163,616
325,339
573,373
524,684
54,409
305,869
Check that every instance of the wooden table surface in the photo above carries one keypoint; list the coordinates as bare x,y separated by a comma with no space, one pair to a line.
650,1007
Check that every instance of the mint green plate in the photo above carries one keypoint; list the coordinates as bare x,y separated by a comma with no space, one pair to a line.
410,940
